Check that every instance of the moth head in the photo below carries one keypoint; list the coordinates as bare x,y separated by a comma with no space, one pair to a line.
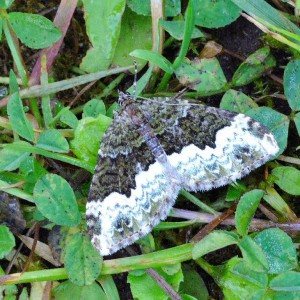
124,99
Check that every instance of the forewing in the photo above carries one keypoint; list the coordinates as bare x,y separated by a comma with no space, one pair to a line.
129,192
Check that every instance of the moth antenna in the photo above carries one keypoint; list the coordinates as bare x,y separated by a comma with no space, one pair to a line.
135,79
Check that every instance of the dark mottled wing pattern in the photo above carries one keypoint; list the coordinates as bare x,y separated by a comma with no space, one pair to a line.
205,147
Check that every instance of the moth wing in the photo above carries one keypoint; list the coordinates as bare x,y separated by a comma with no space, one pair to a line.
209,147
129,194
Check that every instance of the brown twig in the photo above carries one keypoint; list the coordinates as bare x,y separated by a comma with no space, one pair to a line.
213,224
36,237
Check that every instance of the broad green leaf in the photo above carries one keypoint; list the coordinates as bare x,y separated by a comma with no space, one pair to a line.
187,297
253,67
275,121
58,239
153,57
1,26
216,13
55,199
172,7
104,38
288,282
193,284
69,119
136,33
172,269
288,179
254,257
69,290
4,4
279,250
176,29
32,170
33,30
13,83
52,140
215,240
7,241
109,287
17,118
237,101
258,278
297,122
205,76
87,137
94,108
246,209
292,84
11,158
239,282
113,108
82,261
146,288
277,202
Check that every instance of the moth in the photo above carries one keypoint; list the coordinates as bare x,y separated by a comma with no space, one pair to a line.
153,149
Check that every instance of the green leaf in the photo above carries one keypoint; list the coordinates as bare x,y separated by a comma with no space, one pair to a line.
110,288
215,240
87,137
94,108
104,38
4,4
7,241
11,157
237,101
113,108
58,239
246,209
193,284
144,287
83,263
176,29
172,7
279,250
69,290
55,199
288,179
33,30
291,80
1,28
13,83
297,122
136,33
274,121
253,255
153,57
205,75
253,67
69,119
216,13
52,140
237,281
172,269
288,281
19,123
32,171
